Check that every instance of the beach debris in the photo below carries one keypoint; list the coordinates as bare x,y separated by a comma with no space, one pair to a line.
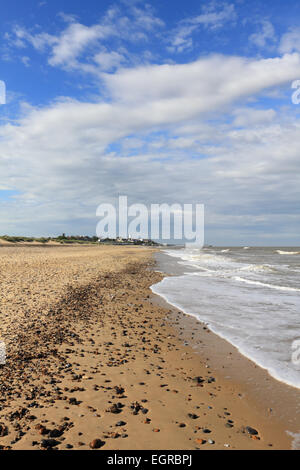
41,429
201,441
251,431
49,443
119,390
56,432
211,380
121,423
136,407
116,408
199,380
228,425
3,430
97,444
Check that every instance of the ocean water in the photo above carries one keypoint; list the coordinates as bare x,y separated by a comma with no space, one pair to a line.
248,296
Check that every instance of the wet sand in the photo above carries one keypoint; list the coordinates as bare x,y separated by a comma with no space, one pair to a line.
94,361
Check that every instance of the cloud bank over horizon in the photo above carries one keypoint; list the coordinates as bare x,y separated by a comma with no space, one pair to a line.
154,116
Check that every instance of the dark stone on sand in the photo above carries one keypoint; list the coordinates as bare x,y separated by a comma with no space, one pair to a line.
3,430
251,431
49,443
114,409
73,401
193,416
55,433
198,380
97,444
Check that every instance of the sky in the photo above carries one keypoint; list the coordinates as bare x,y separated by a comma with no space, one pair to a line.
159,101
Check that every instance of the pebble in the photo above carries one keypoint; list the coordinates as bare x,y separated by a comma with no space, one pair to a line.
121,423
97,444
251,431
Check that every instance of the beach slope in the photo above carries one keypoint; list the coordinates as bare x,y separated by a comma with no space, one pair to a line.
93,361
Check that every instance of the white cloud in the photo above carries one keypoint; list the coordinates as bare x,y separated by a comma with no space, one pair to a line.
290,42
69,149
79,46
181,91
26,61
213,16
245,117
145,18
39,41
108,61
74,40
265,36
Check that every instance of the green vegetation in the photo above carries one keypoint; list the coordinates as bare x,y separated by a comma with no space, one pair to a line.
17,239
78,239
62,239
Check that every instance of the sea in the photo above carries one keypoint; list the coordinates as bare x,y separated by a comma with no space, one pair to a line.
247,295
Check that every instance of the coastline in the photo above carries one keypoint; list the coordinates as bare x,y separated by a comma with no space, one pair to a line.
102,364
263,395
277,401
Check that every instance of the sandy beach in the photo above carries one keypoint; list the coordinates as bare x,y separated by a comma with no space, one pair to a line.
94,360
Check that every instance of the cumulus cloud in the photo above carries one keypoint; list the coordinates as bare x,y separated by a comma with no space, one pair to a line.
152,140
245,117
213,17
108,61
20,37
84,47
290,41
265,36
74,40
182,90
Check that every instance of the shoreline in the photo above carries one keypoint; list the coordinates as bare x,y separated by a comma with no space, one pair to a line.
101,362
274,400
172,269
267,394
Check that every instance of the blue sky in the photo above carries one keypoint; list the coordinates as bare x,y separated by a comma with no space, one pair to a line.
177,102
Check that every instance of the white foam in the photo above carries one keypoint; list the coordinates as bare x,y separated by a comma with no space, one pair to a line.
271,286
245,299
259,267
280,252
